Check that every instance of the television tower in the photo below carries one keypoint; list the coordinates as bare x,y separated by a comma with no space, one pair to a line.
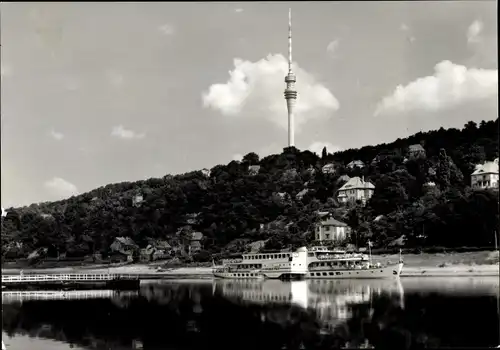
290,92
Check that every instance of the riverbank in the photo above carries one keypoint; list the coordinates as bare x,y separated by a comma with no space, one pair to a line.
432,265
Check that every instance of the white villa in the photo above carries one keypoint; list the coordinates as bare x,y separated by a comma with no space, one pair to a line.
485,175
355,189
329,229
328,168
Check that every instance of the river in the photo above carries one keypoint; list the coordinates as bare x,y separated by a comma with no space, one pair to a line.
227,314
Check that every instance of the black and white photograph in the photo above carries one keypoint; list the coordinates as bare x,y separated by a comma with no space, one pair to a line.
249,175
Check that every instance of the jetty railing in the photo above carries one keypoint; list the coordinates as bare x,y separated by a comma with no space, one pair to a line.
66,277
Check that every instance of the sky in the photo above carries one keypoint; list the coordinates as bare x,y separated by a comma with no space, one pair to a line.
98,93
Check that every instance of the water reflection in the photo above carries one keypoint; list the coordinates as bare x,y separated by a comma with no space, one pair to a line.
266,314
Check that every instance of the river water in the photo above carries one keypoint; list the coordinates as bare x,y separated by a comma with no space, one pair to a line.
408,313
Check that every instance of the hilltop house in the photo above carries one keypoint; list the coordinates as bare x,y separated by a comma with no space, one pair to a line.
137,200
328,168
355,189
329,229
125,246
156,250
253,169
205,172
485,175
195,242
356,164
302,193
416,151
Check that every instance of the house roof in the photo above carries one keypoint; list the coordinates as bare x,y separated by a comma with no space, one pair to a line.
125,241
302,193
416,148
486,168
162,245
356,163
196,236
357,183
254,167
328,166
343,178
333,222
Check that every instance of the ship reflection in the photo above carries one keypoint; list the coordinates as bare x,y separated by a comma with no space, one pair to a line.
333,302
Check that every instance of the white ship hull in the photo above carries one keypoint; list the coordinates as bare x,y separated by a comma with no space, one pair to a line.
286,275
239,275
261,275
389,271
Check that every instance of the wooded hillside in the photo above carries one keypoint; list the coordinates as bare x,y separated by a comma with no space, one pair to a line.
233,206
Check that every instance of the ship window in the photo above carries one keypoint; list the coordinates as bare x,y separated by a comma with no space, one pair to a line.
324,274
331,273
338,273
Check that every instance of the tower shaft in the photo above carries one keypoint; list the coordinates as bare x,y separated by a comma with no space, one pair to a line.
290,92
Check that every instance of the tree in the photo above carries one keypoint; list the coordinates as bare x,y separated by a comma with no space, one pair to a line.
251,158
324,153
443,170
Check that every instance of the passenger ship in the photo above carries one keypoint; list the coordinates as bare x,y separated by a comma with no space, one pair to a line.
282,265
332,264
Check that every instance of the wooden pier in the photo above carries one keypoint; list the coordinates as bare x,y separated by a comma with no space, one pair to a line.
70,282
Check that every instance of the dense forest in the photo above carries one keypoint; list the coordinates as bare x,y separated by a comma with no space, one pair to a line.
419,201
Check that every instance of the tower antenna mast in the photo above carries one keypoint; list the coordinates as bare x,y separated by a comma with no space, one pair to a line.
290,92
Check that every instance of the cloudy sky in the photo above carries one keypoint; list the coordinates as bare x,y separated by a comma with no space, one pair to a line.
96,93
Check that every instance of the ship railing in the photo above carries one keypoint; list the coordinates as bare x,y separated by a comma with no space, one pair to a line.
231,261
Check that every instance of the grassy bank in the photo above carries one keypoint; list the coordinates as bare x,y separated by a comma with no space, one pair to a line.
478,263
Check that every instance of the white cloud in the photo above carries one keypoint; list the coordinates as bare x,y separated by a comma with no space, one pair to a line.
317,147
238,10
450,86
237,157
404,27
474,32
167,29
61,188
332,47
255,90
56,135
122,133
